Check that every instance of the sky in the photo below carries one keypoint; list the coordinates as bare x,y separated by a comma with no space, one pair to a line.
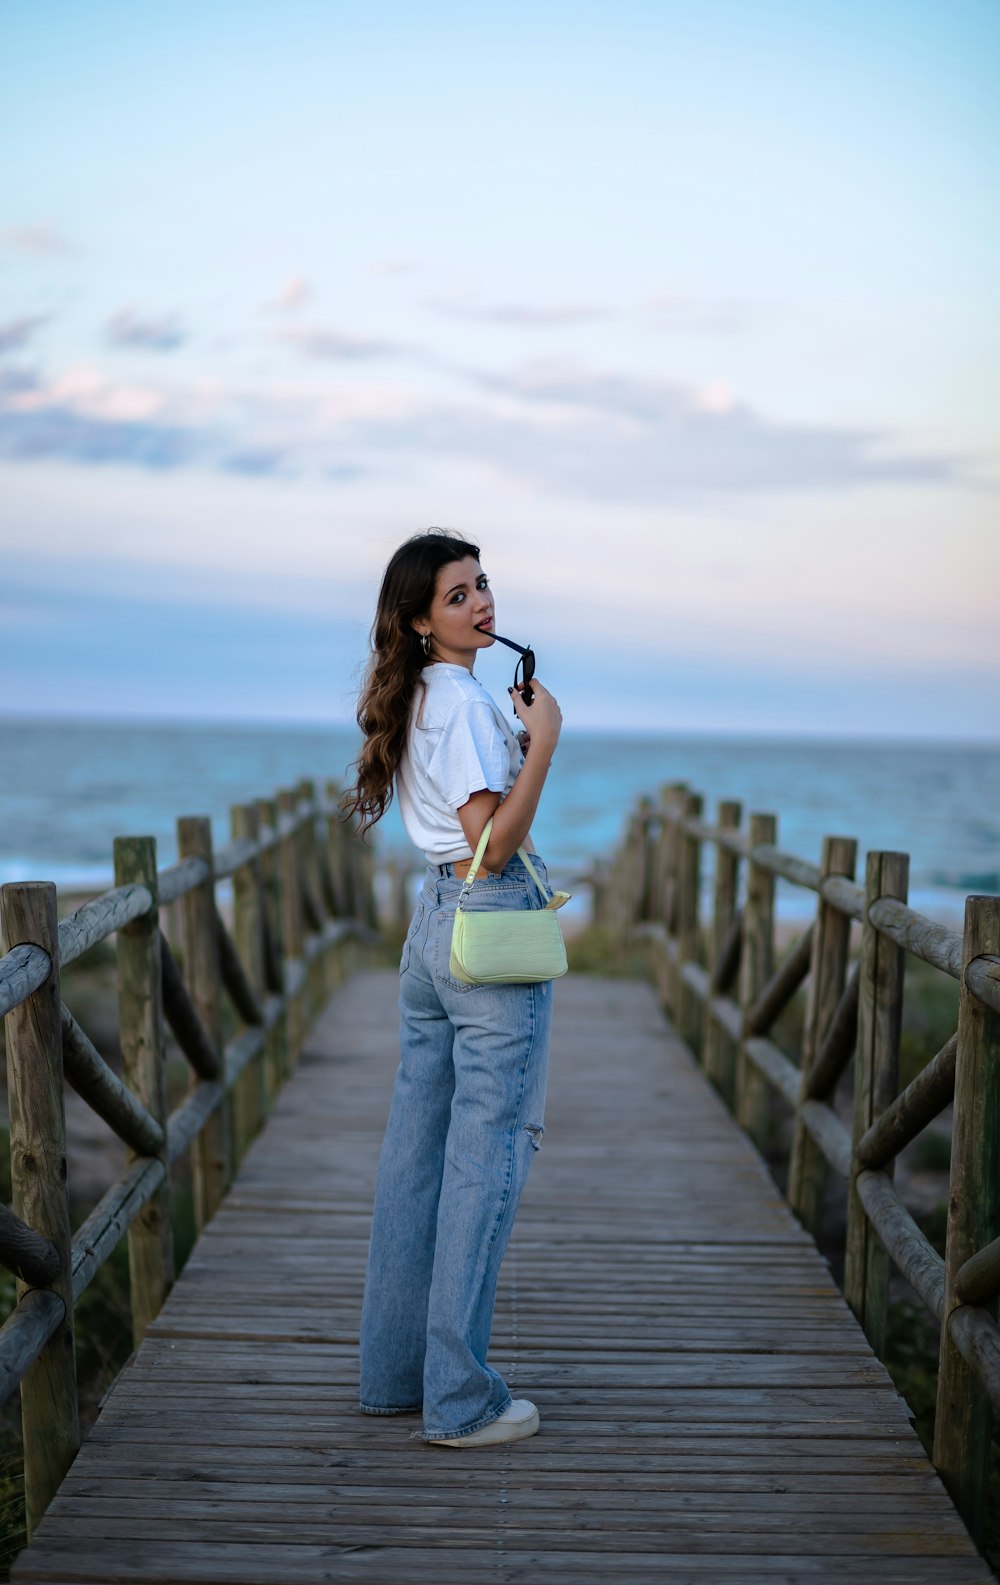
686,314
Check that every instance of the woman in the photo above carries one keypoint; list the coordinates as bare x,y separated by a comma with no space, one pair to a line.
467,1107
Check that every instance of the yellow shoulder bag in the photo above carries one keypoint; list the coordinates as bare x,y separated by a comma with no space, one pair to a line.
509,946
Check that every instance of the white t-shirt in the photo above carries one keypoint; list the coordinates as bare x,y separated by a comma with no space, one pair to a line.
457,743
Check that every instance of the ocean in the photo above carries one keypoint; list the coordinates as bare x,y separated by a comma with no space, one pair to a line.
67,788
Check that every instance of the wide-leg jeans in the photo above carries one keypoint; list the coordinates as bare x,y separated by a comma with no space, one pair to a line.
465,1122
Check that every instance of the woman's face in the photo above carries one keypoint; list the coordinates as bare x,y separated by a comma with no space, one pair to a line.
462,604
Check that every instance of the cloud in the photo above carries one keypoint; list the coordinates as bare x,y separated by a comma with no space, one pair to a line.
17,384
84,417
567,431
293,295
675,311
34,240
255,461
129,329
584,433
520,316
16,333
337,346
396,267
57,432
85,391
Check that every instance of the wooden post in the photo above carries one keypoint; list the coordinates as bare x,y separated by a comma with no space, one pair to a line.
212,1153
962,1425
400,906
277,1058
337,832
756,968
363,862
688,926
140,1022
600,894
807,1170
672,802
334,858
643,879
876,1084
718,1053
657,867
625,885
251,1094
368,877
320,979
655,886
39,1179
292,932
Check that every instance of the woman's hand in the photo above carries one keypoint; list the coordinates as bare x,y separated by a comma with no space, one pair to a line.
513,815
542,717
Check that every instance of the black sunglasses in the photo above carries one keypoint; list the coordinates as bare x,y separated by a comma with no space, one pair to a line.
525,668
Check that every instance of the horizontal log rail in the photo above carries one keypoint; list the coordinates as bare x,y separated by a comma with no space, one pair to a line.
23,971
829,1133
982,976
781,987
837,1044
293,930
179,879
924,1098
723,975
111,1217
765,856
722,984
771,1063
977,1337
25,1253
236,855
187,1122
235,978
26,1331
184,1018
97,920
104,1092
924,938
901,1238
978,1281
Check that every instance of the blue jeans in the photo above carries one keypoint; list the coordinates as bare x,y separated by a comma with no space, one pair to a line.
464,1124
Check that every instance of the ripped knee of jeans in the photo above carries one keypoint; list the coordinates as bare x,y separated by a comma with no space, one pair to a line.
534,1132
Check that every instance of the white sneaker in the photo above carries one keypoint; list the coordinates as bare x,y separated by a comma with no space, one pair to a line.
516,1422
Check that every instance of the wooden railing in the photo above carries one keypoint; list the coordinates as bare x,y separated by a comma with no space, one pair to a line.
302,897
725,990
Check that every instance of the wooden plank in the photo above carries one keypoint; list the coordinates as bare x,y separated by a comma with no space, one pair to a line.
284,1563
248,1481
687,1534
683,1463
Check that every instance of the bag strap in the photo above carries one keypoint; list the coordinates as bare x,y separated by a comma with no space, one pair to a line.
477,858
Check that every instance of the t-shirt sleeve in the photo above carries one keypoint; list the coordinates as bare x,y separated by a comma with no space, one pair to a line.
470,755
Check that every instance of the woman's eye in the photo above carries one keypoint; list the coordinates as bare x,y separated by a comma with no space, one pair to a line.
458,596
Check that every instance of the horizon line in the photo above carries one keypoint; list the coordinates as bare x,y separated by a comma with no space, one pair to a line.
341,724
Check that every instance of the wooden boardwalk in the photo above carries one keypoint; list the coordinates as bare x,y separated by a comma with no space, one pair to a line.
710,1409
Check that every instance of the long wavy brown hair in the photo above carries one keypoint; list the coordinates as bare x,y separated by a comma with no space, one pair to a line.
394,666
